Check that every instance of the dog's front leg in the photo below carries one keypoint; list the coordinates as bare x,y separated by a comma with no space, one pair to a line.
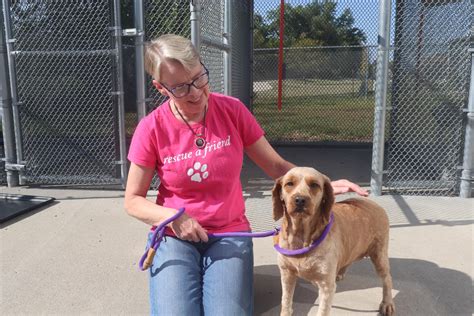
288,283
327,288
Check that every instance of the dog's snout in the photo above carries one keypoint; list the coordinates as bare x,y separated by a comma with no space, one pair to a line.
300,201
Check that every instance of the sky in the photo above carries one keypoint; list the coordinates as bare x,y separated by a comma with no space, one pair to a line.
365,13
442,23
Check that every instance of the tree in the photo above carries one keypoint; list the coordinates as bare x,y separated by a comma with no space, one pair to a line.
314,24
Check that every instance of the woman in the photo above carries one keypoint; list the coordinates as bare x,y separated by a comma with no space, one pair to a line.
195,142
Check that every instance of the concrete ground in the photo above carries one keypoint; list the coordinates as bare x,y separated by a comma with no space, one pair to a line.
79,255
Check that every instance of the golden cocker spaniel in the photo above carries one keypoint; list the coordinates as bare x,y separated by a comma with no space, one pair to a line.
304,199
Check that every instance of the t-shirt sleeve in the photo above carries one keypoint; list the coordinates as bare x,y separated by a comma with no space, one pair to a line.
250,130
143,148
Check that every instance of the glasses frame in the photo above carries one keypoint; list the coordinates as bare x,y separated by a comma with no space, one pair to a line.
172,90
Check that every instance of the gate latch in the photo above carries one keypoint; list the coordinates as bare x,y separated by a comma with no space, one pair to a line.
131,32
15,167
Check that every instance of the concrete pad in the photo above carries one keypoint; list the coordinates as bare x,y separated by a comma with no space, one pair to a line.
79,256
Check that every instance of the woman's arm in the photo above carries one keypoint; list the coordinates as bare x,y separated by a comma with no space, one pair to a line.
136,205
263,154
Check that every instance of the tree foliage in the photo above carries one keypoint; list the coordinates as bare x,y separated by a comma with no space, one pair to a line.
314,24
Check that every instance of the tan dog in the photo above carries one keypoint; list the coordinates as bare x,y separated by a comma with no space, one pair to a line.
304,198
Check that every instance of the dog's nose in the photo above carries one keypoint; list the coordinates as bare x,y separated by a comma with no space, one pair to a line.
300,201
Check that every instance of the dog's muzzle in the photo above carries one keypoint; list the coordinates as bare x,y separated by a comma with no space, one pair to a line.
300,203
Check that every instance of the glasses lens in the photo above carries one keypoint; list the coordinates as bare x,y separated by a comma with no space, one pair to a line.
181,91
201,81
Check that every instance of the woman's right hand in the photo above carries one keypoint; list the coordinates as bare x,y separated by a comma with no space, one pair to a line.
187,228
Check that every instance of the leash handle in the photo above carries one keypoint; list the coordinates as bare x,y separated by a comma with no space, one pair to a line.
147,258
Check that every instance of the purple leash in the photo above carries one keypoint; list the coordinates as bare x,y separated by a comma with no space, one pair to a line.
147,258
316,242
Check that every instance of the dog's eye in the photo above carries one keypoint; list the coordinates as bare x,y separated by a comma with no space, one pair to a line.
313,185
289,184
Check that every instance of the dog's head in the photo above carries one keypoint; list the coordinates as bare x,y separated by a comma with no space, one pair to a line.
303,193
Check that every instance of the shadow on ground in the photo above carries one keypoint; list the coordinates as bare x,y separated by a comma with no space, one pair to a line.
423,288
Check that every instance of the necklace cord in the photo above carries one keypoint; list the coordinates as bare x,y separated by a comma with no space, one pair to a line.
200,138
185,121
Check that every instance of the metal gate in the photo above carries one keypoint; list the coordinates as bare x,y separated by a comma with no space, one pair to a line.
65,69
429,94
72,112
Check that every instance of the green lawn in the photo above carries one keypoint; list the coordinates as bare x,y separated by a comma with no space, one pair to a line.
343,118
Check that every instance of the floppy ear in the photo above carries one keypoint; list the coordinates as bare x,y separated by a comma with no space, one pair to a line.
328,199
276,198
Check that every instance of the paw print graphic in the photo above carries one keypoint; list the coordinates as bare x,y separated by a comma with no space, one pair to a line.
198,172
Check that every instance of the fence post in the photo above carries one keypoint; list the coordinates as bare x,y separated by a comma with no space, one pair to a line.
7,115
195,8
120,92
380,97
227,40
13,93
139,62
468,159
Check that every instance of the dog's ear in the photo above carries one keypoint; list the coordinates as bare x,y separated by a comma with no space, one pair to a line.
277,201
328,199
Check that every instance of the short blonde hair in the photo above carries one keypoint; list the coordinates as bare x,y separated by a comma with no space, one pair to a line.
169,47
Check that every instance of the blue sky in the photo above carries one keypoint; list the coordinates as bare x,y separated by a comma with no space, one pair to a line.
442,23
365,13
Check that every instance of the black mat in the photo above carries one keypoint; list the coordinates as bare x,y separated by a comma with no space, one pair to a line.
12,205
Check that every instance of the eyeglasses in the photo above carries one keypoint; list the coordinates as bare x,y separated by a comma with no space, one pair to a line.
183,89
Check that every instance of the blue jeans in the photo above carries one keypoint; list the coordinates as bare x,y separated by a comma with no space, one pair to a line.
213,278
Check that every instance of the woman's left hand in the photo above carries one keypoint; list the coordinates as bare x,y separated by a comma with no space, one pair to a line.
344,186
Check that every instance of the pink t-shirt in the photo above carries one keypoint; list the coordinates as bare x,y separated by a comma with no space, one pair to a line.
204,181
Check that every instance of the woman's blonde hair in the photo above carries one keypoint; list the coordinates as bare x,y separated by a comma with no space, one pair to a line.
169,47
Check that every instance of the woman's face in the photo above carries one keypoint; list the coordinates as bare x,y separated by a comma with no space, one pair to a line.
173,76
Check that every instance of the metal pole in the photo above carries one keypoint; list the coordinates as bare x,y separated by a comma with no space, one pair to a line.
14,96
380,97
119,92
226,39
7,115
195,8
139,62
468,160
251,54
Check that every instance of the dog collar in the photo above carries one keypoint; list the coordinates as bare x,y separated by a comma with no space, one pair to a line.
316,242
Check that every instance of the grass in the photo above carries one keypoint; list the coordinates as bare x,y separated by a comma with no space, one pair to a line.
340,118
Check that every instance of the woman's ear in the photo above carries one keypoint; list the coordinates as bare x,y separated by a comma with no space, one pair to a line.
160,88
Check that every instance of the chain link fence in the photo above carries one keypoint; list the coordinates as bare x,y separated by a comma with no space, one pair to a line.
329,62
431,69
65,77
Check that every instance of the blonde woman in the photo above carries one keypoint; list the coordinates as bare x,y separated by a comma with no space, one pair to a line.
195,141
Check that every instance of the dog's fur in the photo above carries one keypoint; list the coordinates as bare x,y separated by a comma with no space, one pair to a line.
304,198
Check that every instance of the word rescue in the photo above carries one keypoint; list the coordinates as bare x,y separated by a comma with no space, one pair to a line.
212,146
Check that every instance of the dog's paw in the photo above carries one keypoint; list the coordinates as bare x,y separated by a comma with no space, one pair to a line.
340,277
341,273
387,309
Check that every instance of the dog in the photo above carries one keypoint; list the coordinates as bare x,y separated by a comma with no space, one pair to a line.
304,199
